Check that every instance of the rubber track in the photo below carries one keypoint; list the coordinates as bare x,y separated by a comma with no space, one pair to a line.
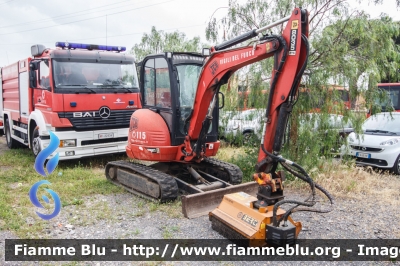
235,174
167,183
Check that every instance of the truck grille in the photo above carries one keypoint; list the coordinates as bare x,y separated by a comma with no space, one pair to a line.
117,119
102,141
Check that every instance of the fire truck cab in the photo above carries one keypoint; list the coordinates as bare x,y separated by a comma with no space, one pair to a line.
85,94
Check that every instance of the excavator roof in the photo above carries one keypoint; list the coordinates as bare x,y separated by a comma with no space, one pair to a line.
180,57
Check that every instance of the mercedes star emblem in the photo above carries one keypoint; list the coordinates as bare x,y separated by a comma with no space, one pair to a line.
104,112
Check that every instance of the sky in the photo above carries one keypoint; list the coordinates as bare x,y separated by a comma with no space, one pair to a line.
24,23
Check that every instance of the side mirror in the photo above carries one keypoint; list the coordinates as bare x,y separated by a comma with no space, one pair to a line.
206,52
32,79
33,66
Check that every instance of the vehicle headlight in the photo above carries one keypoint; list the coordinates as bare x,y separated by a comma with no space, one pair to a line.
390,142
67,143
351,137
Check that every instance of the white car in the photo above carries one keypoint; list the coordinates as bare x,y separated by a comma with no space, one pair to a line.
379,145
332,121
245,123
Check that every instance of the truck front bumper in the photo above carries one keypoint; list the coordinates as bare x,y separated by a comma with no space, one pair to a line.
89,143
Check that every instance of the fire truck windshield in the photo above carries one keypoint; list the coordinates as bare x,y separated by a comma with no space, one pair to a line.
94,76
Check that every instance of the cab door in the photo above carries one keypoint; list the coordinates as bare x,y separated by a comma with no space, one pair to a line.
156,89
187,76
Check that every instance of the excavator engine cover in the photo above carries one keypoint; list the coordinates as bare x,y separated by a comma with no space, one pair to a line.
149,137
237,219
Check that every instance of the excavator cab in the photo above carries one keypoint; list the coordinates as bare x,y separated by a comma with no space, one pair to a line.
168,85
158,132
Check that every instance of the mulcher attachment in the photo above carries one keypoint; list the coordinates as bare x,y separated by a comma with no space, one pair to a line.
236,218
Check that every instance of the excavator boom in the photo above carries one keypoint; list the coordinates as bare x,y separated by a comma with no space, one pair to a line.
223,62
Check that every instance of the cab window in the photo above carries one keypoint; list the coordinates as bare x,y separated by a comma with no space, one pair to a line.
44,72
157,89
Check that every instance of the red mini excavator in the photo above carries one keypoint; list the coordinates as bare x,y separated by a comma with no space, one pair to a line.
177,128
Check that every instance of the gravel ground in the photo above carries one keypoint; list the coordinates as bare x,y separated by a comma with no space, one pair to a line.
350,219
126,216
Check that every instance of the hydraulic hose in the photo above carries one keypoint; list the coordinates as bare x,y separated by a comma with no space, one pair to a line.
287,164
320,188
283,44
297,79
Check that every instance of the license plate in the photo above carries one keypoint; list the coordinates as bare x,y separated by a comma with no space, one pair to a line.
106,135
363,155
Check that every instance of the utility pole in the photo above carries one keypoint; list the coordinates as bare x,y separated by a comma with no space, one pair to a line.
106,30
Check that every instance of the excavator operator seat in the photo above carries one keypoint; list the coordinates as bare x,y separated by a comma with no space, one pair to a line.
166,99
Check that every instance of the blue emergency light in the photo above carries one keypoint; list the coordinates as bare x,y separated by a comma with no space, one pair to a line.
69,45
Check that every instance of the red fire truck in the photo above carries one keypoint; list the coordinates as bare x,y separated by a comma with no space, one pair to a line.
83,93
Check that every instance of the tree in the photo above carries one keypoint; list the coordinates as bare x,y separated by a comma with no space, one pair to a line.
160,41
356,46
346,47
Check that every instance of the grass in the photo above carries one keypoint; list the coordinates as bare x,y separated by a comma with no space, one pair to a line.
343,180
168,232
72,181
227,153
75,182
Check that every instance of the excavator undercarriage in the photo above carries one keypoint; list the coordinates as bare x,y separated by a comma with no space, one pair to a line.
201,186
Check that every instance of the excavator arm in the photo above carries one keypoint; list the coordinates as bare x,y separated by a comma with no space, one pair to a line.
290,52
240,215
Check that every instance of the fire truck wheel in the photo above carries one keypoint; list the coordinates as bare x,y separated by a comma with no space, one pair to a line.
11,143
35,142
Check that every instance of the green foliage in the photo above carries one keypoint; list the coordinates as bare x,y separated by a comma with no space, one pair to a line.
160,41
347,49
246,162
